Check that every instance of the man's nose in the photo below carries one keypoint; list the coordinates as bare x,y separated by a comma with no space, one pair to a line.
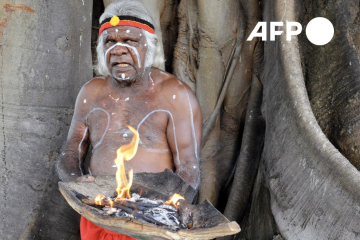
120,50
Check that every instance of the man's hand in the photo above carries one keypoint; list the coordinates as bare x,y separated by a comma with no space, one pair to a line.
85,178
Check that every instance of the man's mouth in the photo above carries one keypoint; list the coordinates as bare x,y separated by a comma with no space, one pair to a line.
123,65
120,64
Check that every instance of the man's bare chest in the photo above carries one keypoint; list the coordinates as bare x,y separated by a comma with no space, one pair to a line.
107,120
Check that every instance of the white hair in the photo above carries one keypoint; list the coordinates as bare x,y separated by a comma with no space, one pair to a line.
135,9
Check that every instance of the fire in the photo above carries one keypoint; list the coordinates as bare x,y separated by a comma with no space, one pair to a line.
125,152
174,200
111,203
98,199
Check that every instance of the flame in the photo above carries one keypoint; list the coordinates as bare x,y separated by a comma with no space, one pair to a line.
125,152
174,200
98,199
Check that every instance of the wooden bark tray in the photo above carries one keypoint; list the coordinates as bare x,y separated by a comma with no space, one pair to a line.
150,185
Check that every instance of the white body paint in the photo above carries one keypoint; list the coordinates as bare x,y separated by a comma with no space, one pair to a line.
156,150
127,99
84,100
107,127
174,97
151,80
180,83
128,31
162,150
128,46
115,99
192,122
164,73
192,129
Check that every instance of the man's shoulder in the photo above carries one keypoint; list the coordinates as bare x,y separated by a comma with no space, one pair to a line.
90,89
174,92
97,81
93,85
167,80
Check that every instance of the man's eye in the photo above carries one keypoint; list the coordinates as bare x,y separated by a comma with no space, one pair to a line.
130,41
110,41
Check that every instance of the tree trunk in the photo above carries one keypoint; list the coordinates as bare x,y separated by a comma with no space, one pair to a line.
44,60
202,58
314,189
334,86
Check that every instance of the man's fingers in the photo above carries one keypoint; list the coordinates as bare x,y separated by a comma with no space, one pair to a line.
85,178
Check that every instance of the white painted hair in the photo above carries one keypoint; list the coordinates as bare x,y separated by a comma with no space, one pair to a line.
153,55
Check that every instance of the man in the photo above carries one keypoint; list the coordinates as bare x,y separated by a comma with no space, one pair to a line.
130,91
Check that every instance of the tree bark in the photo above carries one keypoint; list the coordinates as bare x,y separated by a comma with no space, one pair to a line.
203,53
248,162
314,189
333,79
44,60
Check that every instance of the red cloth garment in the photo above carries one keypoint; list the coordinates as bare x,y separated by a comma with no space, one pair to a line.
91,231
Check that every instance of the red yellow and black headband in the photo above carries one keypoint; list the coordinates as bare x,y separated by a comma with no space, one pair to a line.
126,21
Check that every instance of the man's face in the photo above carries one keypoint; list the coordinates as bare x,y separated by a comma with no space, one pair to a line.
125,50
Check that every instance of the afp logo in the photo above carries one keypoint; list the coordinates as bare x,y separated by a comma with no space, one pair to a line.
319,30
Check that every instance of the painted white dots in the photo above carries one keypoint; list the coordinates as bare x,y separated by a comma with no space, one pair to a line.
128,31
84,100
174,97
116,30
127,99
125,135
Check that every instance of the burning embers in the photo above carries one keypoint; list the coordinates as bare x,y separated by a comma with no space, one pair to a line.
123,204
203,221
153,211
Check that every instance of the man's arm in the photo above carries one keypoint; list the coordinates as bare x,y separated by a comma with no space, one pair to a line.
185,141
69,165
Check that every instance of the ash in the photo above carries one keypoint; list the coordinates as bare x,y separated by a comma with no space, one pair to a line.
148,210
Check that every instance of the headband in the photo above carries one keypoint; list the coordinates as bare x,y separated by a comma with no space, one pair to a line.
126,21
